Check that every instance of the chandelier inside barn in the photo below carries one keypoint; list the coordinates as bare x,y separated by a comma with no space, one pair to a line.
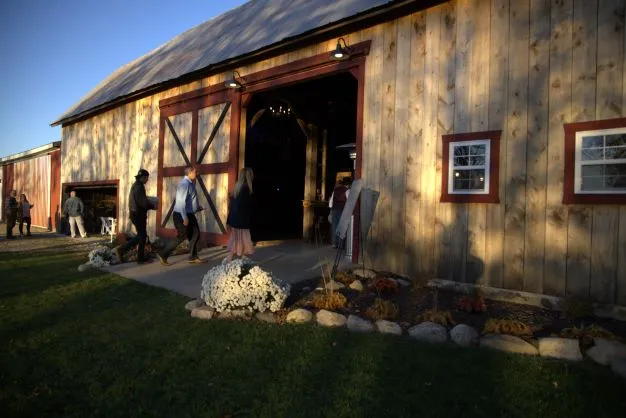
280,109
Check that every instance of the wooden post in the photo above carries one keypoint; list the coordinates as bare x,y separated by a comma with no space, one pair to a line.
324,163
310,178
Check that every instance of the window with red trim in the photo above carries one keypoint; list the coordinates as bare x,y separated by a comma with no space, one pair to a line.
595,162
471,169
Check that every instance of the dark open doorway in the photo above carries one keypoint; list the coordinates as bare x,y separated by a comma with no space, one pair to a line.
291,139
99,200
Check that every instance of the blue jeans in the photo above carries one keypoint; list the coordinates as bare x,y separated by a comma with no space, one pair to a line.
335,216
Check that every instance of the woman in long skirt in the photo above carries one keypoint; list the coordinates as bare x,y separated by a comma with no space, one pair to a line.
239,217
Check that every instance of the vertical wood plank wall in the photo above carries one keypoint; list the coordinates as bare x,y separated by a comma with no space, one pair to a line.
524,67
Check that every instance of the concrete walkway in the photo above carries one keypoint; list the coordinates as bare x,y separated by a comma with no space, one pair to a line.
291,261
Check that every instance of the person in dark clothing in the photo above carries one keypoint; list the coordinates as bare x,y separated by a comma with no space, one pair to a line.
336,203
240,217
23,215
138,206
185,208
11,207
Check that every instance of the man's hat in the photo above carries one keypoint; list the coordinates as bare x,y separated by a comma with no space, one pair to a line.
142,173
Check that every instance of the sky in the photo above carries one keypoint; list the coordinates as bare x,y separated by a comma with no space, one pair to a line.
53,52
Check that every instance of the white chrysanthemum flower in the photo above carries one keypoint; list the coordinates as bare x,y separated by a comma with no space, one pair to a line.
241,285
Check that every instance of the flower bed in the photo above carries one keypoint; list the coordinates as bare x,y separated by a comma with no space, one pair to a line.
101,256
242,285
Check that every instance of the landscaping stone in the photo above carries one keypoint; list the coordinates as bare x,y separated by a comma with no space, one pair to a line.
429,332
365,273
357,324
605,351
388,327
192,304
202,312
561,348
403,282
299,316
464,335
268,317
330,319
618,365
508,343
334,285
356,285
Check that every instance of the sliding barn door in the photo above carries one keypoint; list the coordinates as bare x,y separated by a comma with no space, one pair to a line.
202,130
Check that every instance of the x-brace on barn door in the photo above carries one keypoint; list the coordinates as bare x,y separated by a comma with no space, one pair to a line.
200,130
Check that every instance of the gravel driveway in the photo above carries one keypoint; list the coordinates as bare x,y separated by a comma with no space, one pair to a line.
42,240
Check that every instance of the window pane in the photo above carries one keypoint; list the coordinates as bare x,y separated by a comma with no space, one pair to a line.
616,140
477,150
592,170
615,182
603,176
477,160
615,153
461,150
461,161
593,141
615,170
465,180
592,154
592,183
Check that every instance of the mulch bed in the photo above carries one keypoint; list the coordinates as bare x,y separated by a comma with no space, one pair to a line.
414,300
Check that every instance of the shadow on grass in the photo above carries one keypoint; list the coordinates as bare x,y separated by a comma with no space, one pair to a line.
102,346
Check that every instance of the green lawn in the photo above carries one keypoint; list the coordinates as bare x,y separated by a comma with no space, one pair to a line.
97,345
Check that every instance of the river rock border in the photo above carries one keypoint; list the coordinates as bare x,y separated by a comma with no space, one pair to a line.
604,352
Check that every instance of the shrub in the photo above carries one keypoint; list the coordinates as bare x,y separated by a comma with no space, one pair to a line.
385,286
507,326
586,335
438,317
471,304
345,277
331,301
242,285
382,309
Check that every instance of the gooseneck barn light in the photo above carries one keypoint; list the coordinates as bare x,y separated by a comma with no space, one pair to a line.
233,83
340,53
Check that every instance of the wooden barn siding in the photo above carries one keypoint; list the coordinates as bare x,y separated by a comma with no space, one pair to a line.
525,67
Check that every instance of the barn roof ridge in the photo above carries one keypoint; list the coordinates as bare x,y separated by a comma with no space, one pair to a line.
221,39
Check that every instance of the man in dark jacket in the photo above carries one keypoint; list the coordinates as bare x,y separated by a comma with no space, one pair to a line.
11,207
74,209
138,206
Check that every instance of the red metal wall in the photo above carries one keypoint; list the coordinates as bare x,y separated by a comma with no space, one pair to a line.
55,190
32,177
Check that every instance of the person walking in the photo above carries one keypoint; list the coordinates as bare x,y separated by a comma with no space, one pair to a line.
337,202
185,208
240,217
138,207
23,214
11,207
74,210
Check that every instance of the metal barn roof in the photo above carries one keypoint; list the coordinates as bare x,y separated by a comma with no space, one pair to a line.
253,26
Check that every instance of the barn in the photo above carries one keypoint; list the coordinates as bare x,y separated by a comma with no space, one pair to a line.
36,173
490,135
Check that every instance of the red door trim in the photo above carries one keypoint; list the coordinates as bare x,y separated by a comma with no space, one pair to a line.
305,69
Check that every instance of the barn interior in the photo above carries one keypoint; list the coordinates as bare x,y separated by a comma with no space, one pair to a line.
292,135
99,201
